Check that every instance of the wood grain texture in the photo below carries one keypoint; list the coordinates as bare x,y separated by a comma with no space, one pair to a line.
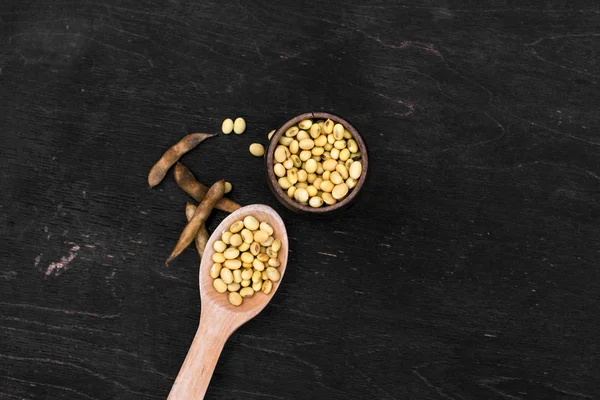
468,269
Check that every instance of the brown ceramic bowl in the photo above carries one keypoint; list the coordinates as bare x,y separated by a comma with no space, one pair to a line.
292,204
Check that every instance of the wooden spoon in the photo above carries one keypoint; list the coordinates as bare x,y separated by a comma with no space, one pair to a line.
218,318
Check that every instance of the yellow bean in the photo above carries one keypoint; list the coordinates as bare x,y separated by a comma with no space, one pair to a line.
236,227
296,160
290,192
233,287
344,154
328,126
243,247
267,242
281,154
340,191
239,126
351,183
273,274
305,124
285,141
336,178
328,147
262,257
270,135
342,170
301,185
257,276
219,285
310,178
227,126
257,150
301,195
276,245
340,144
328,198
226,275
329,165
302,176
284,183
321,141
315,131
292,131
319,168
246,283
218,258
347,134
246,235
311,166
254,249
355,170
307,144
267,286
326,175
330,139
237,276
327,186
232,264
316,202
236,240
264,275
226,236
288,164
257,285
305,155
247,274
260,236
247,257
302,135
246,265
271,253
338,131
264,226
247,292
215,270
231,253
251,223
235,299
294,147
279,170
352,146
334,153
258,265
219,246
228,187
292,176
317,183
273,262
312,191
317,151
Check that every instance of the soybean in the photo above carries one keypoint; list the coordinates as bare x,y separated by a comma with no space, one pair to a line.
239,125
257,150
227,126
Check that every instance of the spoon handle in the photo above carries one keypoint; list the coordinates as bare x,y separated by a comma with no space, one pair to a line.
199,365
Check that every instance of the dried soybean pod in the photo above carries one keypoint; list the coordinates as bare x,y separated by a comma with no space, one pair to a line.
202,212
191,186
202,236
159,170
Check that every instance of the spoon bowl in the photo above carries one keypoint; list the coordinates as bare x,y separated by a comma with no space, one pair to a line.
218,317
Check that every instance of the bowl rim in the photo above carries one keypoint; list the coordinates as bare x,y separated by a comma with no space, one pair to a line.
272,179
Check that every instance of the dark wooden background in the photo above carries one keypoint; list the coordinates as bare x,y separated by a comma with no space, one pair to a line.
469,269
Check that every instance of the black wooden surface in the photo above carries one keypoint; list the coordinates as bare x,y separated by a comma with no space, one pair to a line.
469,269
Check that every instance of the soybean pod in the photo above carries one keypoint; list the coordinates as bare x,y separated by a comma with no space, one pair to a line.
191,186
201,213
202,236
160,169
